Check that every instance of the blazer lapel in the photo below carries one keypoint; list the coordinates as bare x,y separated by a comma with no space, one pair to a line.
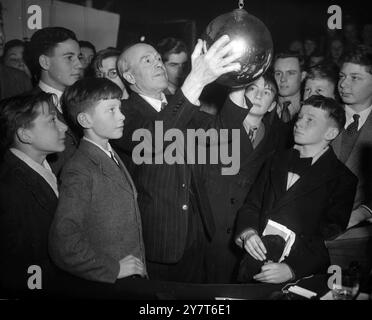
365,137
106,165
318,174
279,174
41,190
126,174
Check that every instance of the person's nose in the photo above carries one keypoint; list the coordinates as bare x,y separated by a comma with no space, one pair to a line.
343,83
78,64
258,95
61,126
121,116
283,78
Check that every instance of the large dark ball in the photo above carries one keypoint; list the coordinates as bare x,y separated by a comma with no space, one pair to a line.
251,37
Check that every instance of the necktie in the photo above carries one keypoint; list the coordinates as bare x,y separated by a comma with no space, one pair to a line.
163,105
114,159
349,137
251,133
286,115
297,164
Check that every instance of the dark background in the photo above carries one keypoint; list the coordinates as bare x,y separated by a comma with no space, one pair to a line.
286,19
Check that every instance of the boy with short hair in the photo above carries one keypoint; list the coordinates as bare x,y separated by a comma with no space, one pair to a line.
306,190
29,131
53,55
96,233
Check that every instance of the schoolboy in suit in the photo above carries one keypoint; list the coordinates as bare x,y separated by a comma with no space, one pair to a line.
53,56
96,233
306,189
29,131
354,145
263,134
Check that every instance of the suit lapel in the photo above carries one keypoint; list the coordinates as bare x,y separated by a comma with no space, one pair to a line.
365,137
319,173
279,174
40,189
142,105
106,165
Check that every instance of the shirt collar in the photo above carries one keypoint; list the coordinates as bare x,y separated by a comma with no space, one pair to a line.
47,88
43,170
363,115
108,151
317,155
155,103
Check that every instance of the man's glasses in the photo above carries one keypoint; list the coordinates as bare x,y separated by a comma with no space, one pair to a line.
111,74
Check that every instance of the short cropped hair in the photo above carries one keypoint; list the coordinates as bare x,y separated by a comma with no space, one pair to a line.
101,55
169,46
44,42
360,55
324,70
87,44
291,54
334,109
84,95
20,112
271,83
12,44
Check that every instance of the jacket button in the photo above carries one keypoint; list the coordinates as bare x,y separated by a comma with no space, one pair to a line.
232,200
228,230
183,185
185,207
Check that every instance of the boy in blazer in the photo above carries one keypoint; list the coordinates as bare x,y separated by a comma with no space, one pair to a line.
29,131
307,190
96,233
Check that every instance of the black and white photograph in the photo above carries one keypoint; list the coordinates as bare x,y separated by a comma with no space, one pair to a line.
194,157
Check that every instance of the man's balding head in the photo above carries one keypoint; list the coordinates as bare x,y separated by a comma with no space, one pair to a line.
141,66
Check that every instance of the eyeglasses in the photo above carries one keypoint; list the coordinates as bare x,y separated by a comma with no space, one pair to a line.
111,74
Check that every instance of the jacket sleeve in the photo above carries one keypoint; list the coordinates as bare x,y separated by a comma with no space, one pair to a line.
309,254
249,214
69,246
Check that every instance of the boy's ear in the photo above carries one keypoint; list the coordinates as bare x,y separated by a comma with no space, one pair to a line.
332,133
23,135
129,77
44,62
84,120
273,105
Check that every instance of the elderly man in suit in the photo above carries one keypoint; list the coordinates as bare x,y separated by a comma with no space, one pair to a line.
175,212
354,145
53,55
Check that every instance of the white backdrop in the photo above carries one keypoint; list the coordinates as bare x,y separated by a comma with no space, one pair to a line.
99,27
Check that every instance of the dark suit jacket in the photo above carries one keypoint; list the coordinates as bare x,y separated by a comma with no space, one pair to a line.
227,193
316,207
13,82
164,190
359,162
97,222
58,160
27,206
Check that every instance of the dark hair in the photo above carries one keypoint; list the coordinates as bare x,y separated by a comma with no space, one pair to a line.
335,111
87,44
270,81
291,54
42,42
324,70
83,95
12,44
168,46
360,55
19,112
101,55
